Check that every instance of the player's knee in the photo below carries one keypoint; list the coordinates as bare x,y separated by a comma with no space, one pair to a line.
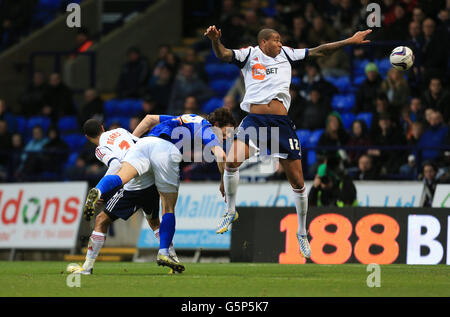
233,165
102,219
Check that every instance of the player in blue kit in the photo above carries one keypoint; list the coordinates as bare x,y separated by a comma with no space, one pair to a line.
172,139
267,70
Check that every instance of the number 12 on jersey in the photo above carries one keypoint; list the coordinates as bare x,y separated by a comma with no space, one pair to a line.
292,142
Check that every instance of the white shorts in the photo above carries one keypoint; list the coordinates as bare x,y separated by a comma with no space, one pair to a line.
157,156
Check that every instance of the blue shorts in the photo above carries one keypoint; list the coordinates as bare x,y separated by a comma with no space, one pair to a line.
125,203
284,145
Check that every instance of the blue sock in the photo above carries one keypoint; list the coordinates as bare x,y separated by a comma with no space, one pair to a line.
108,183
166,232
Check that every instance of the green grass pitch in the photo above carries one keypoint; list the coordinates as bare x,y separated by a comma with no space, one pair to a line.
223,280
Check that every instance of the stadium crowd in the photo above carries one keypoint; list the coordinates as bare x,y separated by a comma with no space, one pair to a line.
381,122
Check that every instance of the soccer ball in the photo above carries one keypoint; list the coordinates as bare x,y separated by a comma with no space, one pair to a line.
402,58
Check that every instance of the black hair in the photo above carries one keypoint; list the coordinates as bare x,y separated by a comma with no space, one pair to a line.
92,128
222,117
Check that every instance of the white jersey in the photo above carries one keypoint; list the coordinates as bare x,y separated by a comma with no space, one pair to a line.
266,77
113,145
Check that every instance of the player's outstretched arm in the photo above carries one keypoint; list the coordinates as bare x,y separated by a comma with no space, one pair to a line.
327,49
146,124
221,51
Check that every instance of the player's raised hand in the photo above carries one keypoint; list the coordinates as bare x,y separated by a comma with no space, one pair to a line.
359,37
213,33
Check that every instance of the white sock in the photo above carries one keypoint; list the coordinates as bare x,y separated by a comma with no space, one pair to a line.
96,242
231,182
301,205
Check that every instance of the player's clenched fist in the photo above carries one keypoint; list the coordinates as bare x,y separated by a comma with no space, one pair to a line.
213,33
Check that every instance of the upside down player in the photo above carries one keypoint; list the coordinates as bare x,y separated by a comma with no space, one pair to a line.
267,74
160,154
141,192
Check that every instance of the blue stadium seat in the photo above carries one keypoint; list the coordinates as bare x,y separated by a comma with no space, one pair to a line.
21,124
359,66
347,120
358,80
212,70
123,121
211,58
129,107
295,81
230,71
303,137
315,136
44,122
112,107
211,105
221,86
68,124
343,83
343,103
366,116
75,141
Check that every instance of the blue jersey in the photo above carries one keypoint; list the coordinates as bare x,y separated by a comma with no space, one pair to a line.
175,128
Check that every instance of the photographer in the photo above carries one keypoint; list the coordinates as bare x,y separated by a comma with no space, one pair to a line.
332,187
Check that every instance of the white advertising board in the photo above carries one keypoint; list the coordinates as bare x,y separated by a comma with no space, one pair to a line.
40,215
441,198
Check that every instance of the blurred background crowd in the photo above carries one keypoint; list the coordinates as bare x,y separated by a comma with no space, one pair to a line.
380,122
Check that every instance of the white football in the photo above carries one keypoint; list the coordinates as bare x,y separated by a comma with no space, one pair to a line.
402,58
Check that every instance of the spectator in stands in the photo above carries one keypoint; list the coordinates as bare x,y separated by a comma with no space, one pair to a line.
334,135
15,154
321,32
93,107
396,89
232,30
238,114
7,116
191,105
434,51
417,15
133,76
77,172
345,20
58,99
32,154
417,130
55,152
410,169
434,136
148,107
332,188
359,137
381,106
366,170
299,31
430,181
398,29
389,135
5,148
368,89
191,57
437,98
315,111
337,64
32,99
252,24
15,20
416,110
313,78
160,87
187,84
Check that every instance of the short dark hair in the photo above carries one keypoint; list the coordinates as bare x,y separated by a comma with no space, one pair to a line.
265,34
92,128
222,117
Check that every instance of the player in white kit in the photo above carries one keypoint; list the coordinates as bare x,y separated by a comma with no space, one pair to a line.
266,69
140,192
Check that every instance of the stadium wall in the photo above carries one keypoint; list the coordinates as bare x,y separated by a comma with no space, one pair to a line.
55,36
144,31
